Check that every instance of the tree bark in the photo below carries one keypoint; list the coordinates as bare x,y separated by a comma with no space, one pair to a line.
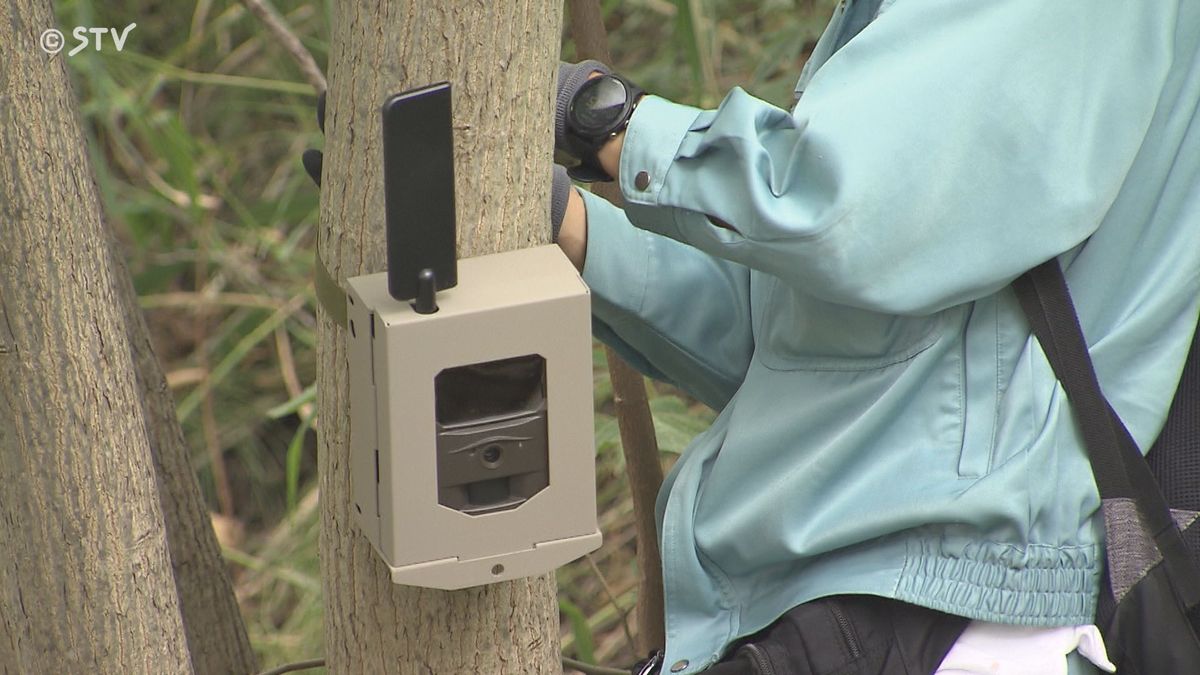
500,58
86,582
216,633
115,567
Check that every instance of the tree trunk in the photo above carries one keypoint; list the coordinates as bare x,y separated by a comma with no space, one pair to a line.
98,503
638,440
500,58
216,634
86,585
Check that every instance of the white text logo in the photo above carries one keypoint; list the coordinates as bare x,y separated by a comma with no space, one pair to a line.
53,41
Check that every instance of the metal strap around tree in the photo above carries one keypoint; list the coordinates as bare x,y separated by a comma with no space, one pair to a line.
330,294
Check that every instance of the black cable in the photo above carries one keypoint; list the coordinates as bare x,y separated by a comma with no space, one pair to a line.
589,669
586,668
291,667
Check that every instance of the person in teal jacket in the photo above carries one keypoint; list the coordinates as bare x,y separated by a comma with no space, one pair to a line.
834,280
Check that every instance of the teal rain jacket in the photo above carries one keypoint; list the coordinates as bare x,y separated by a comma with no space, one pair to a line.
887,425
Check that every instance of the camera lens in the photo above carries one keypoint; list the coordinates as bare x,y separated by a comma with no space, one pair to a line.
491,456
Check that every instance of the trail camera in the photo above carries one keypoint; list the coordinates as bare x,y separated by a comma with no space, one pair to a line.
472,450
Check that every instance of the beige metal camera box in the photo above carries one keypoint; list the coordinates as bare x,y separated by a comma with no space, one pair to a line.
471,430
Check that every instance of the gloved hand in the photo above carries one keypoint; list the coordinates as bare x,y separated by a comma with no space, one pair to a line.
571,77
313,159
578,158
560,192
560,185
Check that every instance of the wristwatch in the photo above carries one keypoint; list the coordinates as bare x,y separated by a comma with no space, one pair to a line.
600,110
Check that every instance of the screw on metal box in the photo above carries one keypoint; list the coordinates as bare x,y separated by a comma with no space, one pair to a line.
472,457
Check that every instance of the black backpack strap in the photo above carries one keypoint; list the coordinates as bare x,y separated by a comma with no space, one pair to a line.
1117,463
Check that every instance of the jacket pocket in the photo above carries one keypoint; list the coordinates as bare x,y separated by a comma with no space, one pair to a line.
979,370
796,331
759,660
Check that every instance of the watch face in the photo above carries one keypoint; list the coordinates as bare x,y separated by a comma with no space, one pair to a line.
599,105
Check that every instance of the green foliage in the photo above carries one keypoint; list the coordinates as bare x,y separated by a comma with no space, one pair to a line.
583,644
195,132
279,586
692,38
693,51
677,422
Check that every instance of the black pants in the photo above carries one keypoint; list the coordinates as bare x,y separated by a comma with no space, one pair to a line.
846,635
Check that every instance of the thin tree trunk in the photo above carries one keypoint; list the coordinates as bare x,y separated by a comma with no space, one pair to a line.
500,57
216,634
642,466
638,440
86,583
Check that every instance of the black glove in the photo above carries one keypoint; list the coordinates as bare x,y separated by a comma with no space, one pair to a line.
571,77
570,152
312,159
560,192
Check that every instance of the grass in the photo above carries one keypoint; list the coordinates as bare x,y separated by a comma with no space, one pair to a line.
195,132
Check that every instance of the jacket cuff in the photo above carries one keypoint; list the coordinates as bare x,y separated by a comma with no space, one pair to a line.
652,142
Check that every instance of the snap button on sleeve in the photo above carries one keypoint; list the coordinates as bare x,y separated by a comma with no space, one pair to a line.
681,664
641,182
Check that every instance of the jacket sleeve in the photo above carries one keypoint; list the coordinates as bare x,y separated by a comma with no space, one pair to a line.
945,149
673,312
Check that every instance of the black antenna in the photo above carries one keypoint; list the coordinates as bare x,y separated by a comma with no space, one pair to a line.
418,181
